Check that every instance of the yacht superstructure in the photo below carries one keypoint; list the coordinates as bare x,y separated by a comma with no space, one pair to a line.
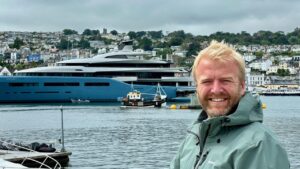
104,77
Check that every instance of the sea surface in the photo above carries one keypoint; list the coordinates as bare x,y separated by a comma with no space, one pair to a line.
103,136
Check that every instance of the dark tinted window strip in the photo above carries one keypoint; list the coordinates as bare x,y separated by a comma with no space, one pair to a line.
25,92
96,84
17,84
47,92
61,84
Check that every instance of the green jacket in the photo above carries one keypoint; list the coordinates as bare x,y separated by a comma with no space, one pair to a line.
235,141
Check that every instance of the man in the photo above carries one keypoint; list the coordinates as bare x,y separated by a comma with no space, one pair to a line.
228,133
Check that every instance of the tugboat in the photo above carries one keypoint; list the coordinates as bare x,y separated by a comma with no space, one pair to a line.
136,99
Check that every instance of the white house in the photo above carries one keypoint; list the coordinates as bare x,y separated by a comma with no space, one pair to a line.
254,79
262,65
272,69
4,71
3,48
249,57
97,44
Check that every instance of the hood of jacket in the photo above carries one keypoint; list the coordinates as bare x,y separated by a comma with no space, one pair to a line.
249,110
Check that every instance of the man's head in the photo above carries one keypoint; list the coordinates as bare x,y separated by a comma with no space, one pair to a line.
219,73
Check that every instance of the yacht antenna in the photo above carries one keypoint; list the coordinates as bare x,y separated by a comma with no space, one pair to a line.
132,88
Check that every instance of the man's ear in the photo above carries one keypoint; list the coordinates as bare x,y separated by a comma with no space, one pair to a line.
243,88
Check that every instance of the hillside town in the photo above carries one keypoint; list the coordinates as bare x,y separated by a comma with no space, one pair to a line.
268,66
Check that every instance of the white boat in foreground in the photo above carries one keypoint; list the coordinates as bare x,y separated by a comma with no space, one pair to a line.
17,156
9,165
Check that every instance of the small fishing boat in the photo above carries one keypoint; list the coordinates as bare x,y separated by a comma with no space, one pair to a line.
137,99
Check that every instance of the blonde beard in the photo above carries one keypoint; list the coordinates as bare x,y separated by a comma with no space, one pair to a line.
211,113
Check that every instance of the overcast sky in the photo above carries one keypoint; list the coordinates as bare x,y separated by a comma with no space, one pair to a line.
200,17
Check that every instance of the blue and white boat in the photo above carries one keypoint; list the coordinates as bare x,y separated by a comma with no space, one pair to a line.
104,77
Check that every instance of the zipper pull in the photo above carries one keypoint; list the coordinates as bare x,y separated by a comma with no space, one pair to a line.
197,160
203,158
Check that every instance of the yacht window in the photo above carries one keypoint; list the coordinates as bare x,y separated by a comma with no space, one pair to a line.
117,57
25,92
61,84
17,84
96,84
47,92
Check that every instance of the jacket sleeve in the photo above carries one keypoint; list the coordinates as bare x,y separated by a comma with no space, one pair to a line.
266,154
175,163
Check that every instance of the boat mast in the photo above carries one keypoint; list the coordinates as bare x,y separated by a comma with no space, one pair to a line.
62,130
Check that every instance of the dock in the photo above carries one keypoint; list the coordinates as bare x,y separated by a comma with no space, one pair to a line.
36,159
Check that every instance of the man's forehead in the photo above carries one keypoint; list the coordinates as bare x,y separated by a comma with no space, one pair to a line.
221,77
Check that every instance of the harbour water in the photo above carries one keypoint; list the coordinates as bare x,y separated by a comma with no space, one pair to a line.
102,136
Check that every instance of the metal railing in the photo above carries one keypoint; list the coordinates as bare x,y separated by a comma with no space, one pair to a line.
29,157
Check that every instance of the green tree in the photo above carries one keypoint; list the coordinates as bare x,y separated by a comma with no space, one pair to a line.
245,38
160,44
193,48
283,72
293,40
17,43
175,41
294,37
262,37
69,32
63,44
20,66
259,54
132,35
114,32
140,34
95,32
164,52
156,34
145,43
279,38
176,38
179,34
84,44
87,32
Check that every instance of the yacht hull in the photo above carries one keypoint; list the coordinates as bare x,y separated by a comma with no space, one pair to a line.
35,89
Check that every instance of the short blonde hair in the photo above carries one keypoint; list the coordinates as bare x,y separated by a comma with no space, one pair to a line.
222,52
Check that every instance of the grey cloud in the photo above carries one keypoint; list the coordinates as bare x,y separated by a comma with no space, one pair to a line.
196,16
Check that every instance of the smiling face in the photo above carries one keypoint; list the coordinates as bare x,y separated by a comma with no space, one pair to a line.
219,86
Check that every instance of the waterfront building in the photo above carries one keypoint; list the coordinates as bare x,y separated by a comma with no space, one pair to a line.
4,71
261,65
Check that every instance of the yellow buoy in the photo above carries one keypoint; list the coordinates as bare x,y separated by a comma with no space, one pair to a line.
173,106
263,106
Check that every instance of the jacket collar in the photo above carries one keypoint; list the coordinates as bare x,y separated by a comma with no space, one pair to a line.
248,111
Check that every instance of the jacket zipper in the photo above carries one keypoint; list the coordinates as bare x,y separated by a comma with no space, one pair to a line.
201,157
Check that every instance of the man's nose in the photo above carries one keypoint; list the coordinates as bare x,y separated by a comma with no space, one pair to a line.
216,87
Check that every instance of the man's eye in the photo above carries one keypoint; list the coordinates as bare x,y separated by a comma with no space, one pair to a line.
205,82
227,81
